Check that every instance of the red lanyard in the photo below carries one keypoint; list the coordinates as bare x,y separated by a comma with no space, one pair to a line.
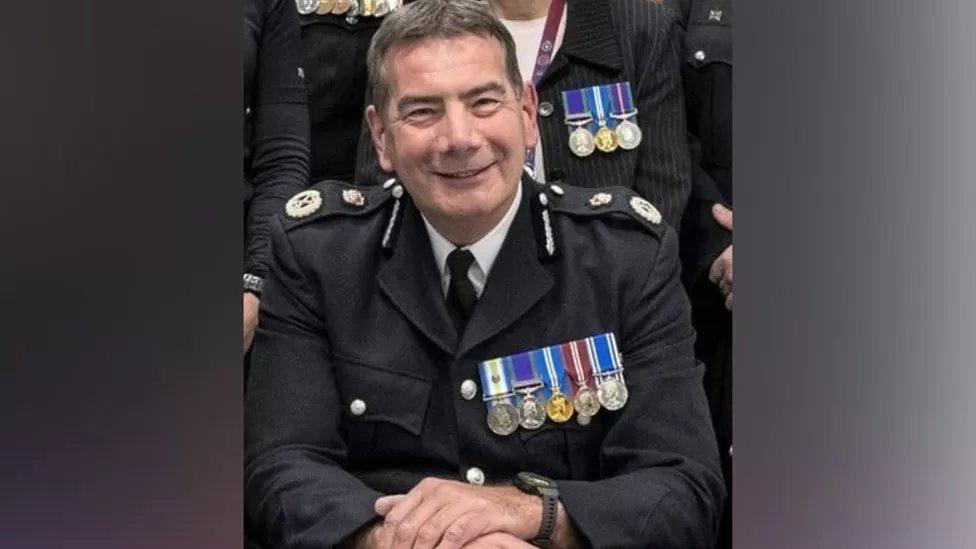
544,57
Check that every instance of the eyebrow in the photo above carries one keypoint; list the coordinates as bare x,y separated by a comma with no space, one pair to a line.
411,100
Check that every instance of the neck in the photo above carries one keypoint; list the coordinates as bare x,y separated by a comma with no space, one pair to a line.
515,10
468,231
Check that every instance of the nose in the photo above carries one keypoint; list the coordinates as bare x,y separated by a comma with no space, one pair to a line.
459,130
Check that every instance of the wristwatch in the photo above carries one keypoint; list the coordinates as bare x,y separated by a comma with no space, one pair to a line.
253,284
545,488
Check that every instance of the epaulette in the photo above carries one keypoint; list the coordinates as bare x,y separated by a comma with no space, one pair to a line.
579,201
333,198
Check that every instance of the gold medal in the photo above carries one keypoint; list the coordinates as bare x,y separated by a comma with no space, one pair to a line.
325,7
341,6
606,140
369,8
559,408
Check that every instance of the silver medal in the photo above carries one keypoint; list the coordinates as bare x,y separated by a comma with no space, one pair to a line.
628,135
581,142
533,412
503,418
586,402
612,393
306,7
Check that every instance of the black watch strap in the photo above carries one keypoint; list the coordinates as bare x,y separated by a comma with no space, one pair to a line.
550,503
253,284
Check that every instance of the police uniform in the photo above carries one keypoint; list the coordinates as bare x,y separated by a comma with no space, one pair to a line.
361,386
707,76
336,43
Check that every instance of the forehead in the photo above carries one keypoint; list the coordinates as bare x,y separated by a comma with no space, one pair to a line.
442,66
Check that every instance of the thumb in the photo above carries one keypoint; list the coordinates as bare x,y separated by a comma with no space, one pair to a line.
385,504
722,215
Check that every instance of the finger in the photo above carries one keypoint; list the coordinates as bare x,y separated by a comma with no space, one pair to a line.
408,529
722,215
384,504
462,529
399,511
725,287
716,270
728,302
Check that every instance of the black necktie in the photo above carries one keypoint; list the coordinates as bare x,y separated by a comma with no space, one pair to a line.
460,293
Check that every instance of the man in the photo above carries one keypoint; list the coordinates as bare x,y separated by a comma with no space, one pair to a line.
386,306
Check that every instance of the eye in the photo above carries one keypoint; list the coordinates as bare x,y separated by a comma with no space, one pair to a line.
420,115
486,105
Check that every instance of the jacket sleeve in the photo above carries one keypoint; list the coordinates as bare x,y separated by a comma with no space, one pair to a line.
662,173
297,493
661,483
280,136
702,238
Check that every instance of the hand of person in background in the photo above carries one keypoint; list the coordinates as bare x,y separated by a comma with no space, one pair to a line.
251,305
721,271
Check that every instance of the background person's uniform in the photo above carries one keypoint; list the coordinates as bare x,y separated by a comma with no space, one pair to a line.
606,42
275,121
335,66
355,388
707,75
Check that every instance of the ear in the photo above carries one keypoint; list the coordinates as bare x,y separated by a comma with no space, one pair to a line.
530,107
378,133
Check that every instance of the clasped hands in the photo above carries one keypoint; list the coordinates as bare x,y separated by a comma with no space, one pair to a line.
446,514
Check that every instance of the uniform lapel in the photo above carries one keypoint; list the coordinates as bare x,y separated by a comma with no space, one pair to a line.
411,281
516,282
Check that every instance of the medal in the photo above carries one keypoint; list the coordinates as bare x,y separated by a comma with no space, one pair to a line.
628,135
583,419
368,8
581,142
558,407
606,139
622,108
612,394
526,381
306,7
341,6
382,8
325,7
578,116
503,416
608,371
584,399
532,411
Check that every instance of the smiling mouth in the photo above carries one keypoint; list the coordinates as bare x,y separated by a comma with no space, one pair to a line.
467,174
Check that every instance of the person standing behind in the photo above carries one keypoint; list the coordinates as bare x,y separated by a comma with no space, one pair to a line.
707,76
335,37
275,134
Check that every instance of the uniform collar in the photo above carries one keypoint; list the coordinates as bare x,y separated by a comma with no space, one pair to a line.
485,250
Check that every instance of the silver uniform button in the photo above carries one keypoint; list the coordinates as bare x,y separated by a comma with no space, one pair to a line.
545,108
468,389
700,55
475,476
730,450
357,407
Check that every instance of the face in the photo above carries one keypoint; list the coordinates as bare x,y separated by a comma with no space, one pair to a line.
455,130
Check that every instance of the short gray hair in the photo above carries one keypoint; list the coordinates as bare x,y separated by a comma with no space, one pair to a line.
435,19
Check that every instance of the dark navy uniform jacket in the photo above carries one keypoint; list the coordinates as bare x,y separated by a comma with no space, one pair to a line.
354,310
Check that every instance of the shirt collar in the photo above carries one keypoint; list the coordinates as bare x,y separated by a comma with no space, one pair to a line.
485,250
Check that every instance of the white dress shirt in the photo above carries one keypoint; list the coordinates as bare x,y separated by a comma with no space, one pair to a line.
484,250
